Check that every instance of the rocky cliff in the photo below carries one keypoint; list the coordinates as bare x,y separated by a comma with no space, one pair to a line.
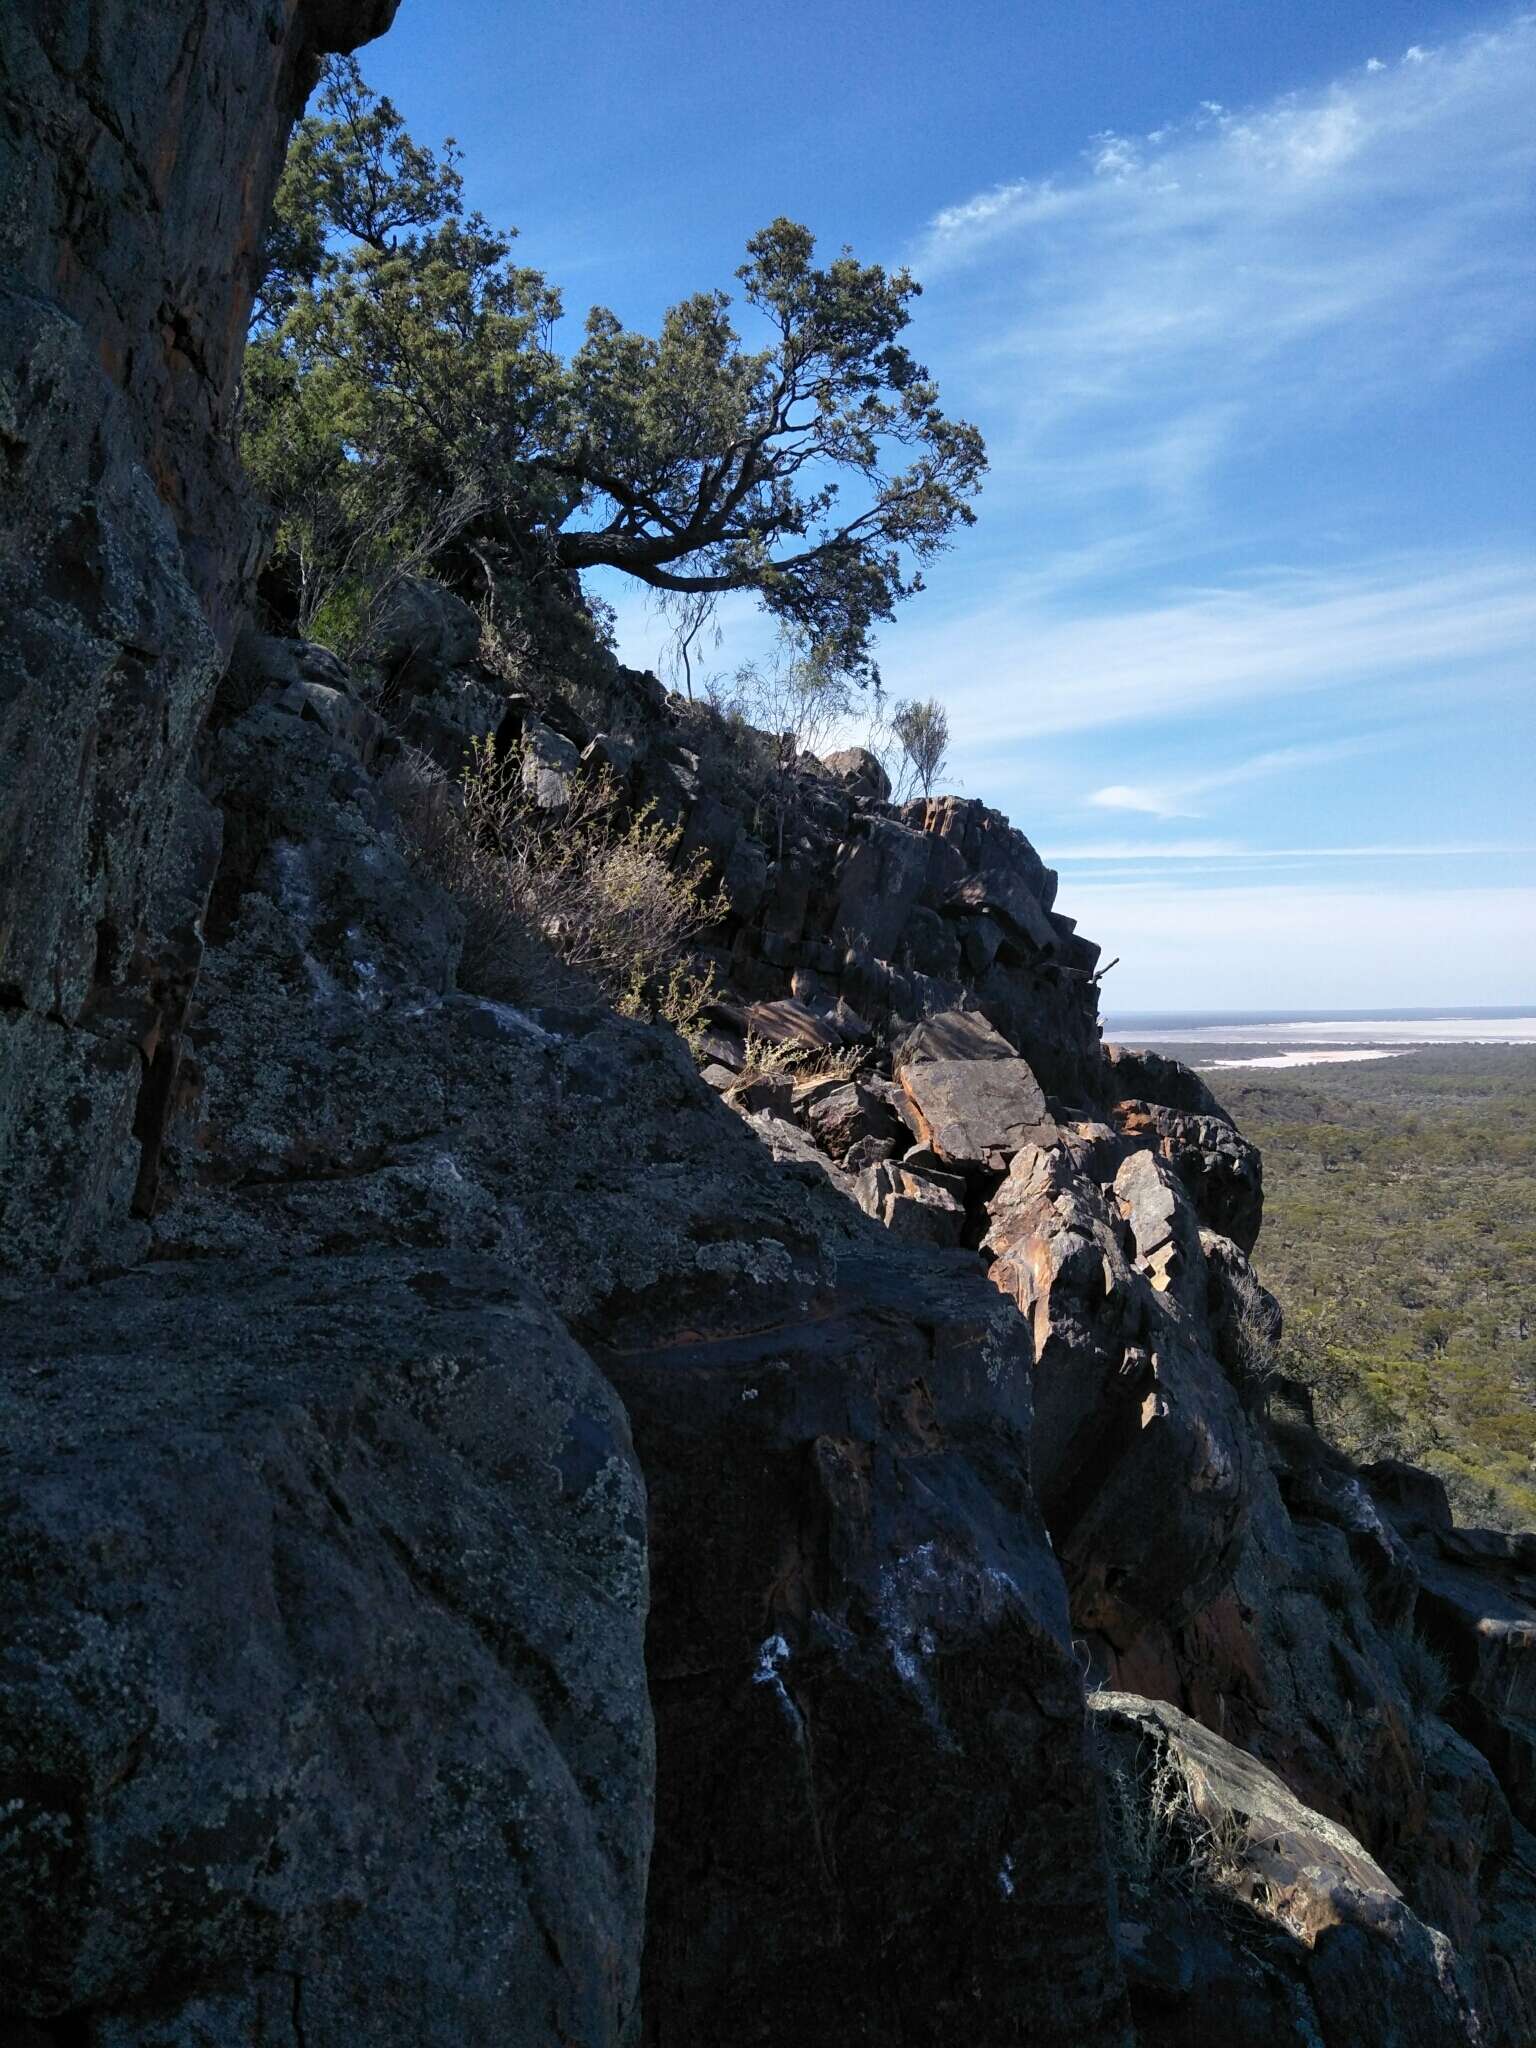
509,1538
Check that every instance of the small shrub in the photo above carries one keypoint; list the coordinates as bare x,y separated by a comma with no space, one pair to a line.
504,955
1161,1840
835,1063
764,1057
921,727
1252,1350
1158,1838
546,895
1425,1674
682,1001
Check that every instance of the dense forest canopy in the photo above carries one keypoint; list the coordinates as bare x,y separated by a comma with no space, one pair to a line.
405,399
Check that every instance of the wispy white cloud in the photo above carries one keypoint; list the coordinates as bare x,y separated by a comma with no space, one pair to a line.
1013,672
1179,796
1228,266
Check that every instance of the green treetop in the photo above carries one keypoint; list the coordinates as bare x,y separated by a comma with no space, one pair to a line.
404,394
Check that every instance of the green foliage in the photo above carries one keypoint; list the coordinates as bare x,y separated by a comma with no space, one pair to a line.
403,392
399,375
1400,1237
715,467
679,999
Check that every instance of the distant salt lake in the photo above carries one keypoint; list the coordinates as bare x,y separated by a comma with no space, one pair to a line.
1316,1059
1306,1039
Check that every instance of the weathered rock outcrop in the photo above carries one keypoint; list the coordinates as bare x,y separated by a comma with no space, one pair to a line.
1245,1916
1221,1558
138,154
323,1713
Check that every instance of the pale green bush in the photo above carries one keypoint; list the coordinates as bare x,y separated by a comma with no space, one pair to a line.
548,896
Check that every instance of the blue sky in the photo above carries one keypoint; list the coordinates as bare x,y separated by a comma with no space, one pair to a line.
1243,300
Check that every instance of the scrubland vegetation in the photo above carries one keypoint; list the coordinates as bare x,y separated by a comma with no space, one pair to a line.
1400,1236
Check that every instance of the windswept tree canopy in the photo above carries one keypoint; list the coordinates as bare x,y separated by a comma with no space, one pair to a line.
403,379
817,470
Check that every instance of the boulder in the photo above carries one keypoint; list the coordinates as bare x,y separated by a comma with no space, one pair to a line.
746,877
1246,1915
792,1023
606,753
870,1152
1138,1075
973,1099
423,631
860,773
1413,1499
725,1048
550,762
954,1035
980,938
339,713
912,1205
792,1150
852,1027
709,838
1009,897
840,1115
755,1094
1144,1190
1221,1172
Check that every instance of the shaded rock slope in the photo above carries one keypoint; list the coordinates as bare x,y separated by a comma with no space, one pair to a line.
506,1538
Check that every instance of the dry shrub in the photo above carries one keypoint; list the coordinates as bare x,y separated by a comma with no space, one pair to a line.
1424,1672
505,956
1160,1839
765,1058
835,1063
1255,1353
548,895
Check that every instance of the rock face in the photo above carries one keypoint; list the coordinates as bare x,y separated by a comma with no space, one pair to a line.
371,1345
323,1713
868,1709
138,156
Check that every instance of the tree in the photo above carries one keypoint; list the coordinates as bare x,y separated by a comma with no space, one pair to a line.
714,468
922,730
816,470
